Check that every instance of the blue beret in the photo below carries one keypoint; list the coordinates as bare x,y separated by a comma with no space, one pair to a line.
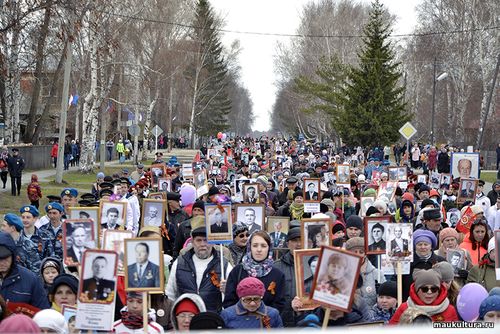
424,235
14,220
69,192
371,159
31,209
54,205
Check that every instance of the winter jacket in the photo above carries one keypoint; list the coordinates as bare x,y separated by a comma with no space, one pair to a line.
360,312
16,166
53,151
34,191
286,265
21,285
477,254
492,194
237,317
418,263
274,282
370,278
484,274
194,298
443,163
432,159
447,314
378,314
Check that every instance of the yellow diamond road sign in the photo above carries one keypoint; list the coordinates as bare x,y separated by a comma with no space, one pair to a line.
408,130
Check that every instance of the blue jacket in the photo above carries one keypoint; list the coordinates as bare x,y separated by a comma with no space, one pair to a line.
21,285
238,317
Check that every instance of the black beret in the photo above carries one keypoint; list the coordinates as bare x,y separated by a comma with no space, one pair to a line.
106,185
172,196
292,179
105,192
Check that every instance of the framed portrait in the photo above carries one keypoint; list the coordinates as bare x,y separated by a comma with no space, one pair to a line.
187,171
467,191
252,215
211,152
113,215
329,178
251,193
277,228
422,178
393,174
98,277
305,262
456,257
91,213
392,207
114,241
200,178
311,190
375,234
78,236
144,265
153,212
158,171
387,190
402,174
344,175
316,233
157,195
464,165
218,223
452,217
445,179
245,157
435,179
365,203
164,184
391,268
69,313
400,242
336,278
238,185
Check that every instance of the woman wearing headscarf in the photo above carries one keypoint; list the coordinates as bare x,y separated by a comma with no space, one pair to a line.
428,295
476,241
239,245
258,262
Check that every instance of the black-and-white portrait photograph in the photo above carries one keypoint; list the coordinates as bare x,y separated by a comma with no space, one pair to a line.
329,178
456,257
467,191
114,241
386,191
143,263
305,263
200,178
400,247
365,203
113,214
78,236
153,212
316,233
218,220
98,277
158,171
465,165
187,171
238,186
445,179
91,213
251,193
164,184
343,174
375,234
452,217
252,215
435,180
312,190
393,173
245,157
335,283
402,174
157,195
422,178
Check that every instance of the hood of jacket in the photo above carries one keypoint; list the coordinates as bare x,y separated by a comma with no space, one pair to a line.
402,213
191,296
7,241
50,258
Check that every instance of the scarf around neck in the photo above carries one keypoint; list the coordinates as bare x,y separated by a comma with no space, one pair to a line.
430,309
257,269
131,321
297,210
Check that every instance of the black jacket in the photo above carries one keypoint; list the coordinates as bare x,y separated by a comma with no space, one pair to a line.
15,166
286,265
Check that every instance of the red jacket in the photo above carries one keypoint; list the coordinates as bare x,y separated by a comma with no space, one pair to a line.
450,314
53,152
476,255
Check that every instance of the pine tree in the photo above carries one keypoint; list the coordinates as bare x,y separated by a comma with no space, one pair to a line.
373,105
211,103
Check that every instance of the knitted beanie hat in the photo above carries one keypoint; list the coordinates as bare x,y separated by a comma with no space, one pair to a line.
388,288
446,271
491,303
424,235
354,221
448,232
186,305
354,243
426,277
250,286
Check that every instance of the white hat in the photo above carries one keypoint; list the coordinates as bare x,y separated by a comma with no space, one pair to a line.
491,245
51,319
361,177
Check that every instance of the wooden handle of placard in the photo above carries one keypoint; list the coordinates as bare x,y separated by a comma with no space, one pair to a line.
326,318
145,311
400,284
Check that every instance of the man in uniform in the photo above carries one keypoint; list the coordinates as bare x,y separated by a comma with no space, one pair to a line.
97,287
15,164
29,215
69,198
52,232
378,238
26,250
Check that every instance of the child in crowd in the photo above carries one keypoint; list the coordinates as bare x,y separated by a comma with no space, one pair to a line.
387,301
34,191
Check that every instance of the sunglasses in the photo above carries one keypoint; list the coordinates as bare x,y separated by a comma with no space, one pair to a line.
432,289
248,300
242,235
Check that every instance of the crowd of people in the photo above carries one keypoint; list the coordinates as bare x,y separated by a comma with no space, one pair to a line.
251,282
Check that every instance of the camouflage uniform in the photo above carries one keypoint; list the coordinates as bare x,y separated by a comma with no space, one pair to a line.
28,254
53,241
37,240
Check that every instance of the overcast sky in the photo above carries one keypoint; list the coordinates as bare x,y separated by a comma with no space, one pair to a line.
281,17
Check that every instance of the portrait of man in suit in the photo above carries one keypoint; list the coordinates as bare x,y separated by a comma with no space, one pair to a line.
312,193
153,216
217,221
278,238
112,219
143,273
249,218
399,245
79,238
251,195
467,190
97,287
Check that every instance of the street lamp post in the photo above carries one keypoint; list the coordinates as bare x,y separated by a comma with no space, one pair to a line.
442,76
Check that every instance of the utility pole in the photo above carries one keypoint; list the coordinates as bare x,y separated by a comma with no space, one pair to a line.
433,102
482,124
102,147
64,111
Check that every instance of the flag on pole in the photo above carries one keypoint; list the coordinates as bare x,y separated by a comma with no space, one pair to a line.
465,221
73,100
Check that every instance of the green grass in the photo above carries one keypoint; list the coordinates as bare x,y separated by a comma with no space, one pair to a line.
489,176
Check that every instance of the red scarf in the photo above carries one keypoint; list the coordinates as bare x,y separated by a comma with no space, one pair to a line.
131,321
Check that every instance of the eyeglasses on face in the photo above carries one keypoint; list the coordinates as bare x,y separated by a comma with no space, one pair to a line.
248,300
432,289
243,235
